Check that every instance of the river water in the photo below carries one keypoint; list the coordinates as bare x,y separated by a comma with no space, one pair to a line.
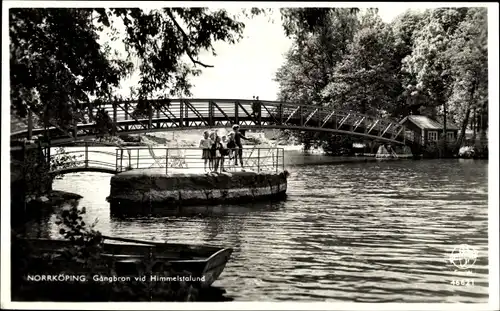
358,232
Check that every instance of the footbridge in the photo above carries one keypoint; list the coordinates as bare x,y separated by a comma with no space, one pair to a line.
180,114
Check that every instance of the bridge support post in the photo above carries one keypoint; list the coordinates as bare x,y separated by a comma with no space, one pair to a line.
181,113
86,154
30,124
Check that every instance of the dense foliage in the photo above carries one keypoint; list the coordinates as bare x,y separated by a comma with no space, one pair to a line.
59,60
431,62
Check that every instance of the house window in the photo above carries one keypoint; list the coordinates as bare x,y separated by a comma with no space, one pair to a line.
450,136
410,135
432,136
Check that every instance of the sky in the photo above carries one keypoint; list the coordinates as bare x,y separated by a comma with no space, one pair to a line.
247,68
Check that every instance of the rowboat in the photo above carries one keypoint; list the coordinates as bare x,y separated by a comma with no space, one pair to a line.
198,264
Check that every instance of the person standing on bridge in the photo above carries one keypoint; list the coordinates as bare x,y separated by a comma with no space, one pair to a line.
256,107
239,147
205,145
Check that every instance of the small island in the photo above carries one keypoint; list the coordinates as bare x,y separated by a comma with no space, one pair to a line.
144,190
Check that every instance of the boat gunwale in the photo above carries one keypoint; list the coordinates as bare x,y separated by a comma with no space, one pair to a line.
214,250
138,243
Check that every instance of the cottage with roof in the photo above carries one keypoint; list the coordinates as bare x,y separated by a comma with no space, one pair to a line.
428,130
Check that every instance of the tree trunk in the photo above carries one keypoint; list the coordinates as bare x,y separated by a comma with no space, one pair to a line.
464,127
467,116
444,118
474,123
483,126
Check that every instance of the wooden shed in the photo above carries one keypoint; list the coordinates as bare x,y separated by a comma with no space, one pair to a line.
428,130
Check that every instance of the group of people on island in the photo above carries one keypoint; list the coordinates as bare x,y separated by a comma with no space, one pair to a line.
216,149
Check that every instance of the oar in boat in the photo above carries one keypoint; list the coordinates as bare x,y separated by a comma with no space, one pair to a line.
133,240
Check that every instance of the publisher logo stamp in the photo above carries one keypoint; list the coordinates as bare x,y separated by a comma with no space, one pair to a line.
463,256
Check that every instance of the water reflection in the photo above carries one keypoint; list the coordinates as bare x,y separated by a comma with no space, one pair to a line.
136,210
368,232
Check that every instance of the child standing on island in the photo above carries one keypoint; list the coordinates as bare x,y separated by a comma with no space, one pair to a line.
239,147
218,154
213,137
223,152
205,145
231,145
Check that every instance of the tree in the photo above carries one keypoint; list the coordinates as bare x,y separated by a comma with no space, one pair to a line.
427,65
57,62
468,54
365,80
405,28
321,36
431,62
449,64
300,22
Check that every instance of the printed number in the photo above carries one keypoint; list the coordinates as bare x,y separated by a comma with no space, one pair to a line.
462,282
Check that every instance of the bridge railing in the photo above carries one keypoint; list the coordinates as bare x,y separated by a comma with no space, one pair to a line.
81,157
189,160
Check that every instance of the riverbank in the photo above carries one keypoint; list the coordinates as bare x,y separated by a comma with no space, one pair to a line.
34,206
48,201
54,197
318,159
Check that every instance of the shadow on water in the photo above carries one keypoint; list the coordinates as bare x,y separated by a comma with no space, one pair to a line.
131,211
